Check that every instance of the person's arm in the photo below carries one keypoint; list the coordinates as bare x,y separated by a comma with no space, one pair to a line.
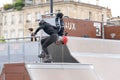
61,32
39,28
56,22
62,22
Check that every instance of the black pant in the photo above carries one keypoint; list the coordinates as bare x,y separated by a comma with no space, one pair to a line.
48,41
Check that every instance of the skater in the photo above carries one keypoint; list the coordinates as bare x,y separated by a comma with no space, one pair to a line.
53,37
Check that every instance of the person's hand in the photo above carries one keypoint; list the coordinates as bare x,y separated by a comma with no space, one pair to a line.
65,33
58,42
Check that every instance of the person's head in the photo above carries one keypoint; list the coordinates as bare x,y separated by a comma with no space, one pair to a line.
41,22
59,15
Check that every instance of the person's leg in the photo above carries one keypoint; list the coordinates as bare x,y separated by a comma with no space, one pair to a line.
43,40
49,41
42,55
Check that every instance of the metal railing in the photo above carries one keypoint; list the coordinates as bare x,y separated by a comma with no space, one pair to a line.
14,50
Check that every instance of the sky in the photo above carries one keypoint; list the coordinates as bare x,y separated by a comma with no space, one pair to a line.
114,5
2,2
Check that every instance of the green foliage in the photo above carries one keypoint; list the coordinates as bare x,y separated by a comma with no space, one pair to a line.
20,0
2,39
8,6
19,8
18,5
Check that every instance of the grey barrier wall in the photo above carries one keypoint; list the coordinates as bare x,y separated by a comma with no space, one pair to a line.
19,51
60,53
31,51
3,53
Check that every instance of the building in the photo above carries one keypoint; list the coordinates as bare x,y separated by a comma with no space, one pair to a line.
12,26
74,9
16,23
114,20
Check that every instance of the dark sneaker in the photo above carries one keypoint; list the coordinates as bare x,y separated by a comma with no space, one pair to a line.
42,55
47,59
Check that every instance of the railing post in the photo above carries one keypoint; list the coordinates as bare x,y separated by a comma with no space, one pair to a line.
8,51
51,7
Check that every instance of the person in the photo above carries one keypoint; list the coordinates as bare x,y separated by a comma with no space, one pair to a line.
33,38
60,29
53,37
59,23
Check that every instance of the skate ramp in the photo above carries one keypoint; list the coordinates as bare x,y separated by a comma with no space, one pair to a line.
61,53
103,54
59,71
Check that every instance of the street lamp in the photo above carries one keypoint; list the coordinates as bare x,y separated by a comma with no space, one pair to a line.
51,7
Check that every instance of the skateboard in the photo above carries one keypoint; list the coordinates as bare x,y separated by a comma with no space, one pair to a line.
42,56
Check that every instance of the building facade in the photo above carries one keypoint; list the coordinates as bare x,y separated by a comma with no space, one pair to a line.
74,9
16,23
115,20
12,24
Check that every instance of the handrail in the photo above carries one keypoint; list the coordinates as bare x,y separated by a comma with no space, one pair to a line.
20,51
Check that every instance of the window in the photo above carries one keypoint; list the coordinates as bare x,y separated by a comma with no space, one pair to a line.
5,34
47,1
28,2
5,20
20,18
12,33
12,19
90,15
20,33
76,0
102,17
38,16
38,2
29,18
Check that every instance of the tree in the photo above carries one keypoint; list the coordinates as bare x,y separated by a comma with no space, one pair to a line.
19,4
8,6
